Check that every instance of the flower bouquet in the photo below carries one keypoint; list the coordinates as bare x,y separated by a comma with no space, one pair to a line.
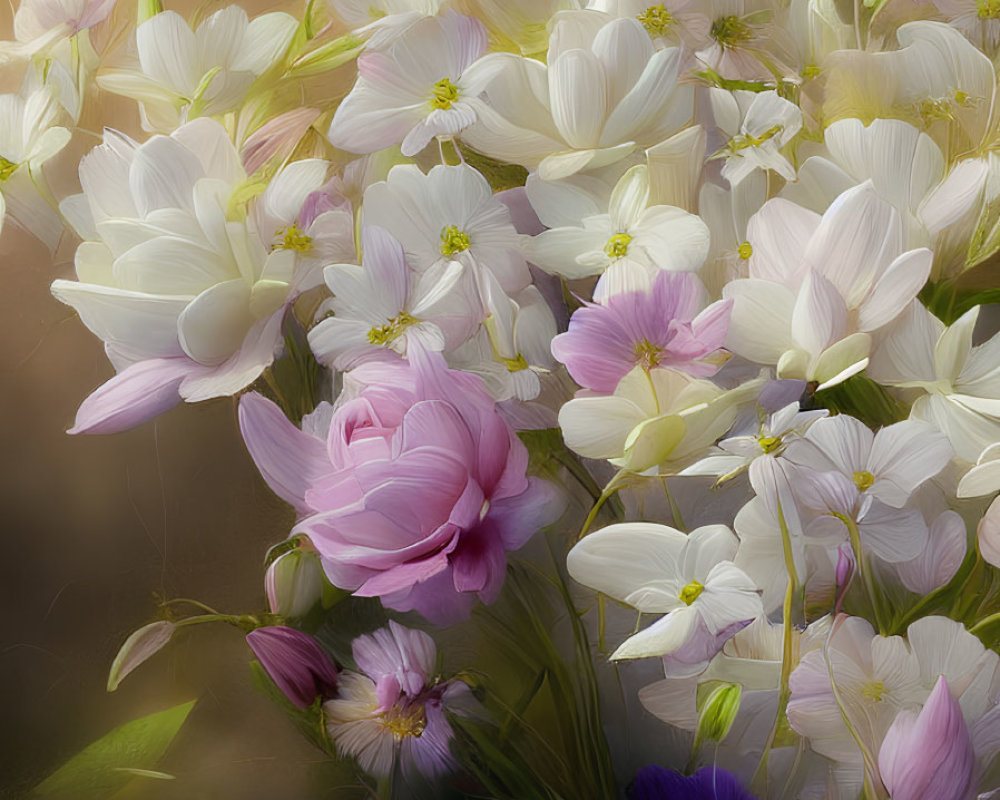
628,371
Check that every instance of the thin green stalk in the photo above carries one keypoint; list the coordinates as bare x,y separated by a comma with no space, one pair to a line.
866,577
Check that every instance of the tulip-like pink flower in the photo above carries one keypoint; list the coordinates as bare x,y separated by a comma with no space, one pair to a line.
295,662
664,327
929,756
416,491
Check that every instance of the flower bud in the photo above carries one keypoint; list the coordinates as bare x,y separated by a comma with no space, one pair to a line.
295,662
717,713
929,756
294,583
140,646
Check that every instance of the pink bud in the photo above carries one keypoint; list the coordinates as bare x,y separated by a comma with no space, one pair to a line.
295,662
279,135
929,756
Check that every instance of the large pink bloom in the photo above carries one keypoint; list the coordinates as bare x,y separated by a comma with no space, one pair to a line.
414,493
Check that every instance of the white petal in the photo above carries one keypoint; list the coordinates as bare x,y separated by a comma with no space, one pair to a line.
597,427
893,292
761,321
214,324
578,96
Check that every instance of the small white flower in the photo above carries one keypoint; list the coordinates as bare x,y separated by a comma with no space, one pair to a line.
413,91
758,125
690,578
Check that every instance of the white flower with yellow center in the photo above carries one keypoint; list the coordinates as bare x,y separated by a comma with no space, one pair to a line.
758,125
626,246
184,73
414,90
689,578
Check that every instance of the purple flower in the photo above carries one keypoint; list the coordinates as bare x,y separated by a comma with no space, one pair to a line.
295,662
394,707
417,492
929,756
658,328
708,783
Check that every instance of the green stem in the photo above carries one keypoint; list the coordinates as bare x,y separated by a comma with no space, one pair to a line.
985,622
675,511
613,486
866,577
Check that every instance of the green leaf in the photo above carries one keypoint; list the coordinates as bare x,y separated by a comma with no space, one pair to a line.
863,398
112,761
499,174
327,57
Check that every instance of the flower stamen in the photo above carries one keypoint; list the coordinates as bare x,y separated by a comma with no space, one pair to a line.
445,93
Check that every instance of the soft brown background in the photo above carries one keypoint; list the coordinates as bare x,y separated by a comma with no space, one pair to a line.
93,526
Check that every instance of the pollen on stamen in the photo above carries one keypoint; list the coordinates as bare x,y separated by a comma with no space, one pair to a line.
7,168
454,240
863,480
745,250
444,94
617,245
385,335
647,354
292,238
656,20
691,592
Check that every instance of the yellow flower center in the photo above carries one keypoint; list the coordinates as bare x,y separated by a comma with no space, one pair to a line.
384,335
617,245
810,71
745,140
292,238
745,250
863,480
410,720
453,241
516,364
874,691
988,9
445,93
647,354
769,443
657,20
730,31
691,592
7,168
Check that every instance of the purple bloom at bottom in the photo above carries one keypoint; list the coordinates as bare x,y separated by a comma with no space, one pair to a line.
709,783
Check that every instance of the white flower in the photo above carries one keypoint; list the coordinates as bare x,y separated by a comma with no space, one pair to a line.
414,90
889,464
758,125
383,305
604,93
819,286
189,304
671,23
657,418
878,676
448,214
29,136
627,245
382,21
690,578
984,477
770,439
960,383
183,74
940,560
40,22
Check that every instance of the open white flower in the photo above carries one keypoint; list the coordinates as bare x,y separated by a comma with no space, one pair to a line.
184,74
690,578
626,246
820,286
188,303
29,136
659,418
960,383
383,305
449,214
414,90
758,125
604,93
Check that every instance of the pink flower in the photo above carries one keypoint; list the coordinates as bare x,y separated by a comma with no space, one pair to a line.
929,756
295,662
658,328
415,492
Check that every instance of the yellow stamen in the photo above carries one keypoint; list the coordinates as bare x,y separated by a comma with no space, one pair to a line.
515,364
743,141
617,245
874,691
647,354
691,592
656,20
811,71
384,335
769,443
292,238
453,240
7,168
445,93
730,31
405,721
863,480
988,9
745,250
